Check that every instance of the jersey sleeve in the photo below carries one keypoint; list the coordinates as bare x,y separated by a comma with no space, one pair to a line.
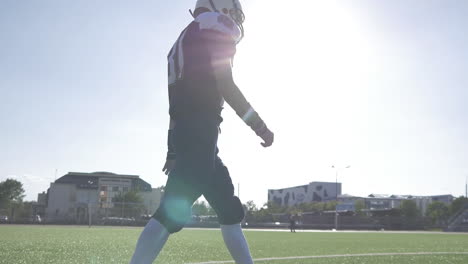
234,97
171,153
221,35
222,50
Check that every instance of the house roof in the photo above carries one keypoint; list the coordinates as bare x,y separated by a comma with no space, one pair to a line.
102,174
91,180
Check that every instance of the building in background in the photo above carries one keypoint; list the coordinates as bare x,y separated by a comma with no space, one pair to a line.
74,196
385,202
330,191
313,192
382,202
446,199
39,207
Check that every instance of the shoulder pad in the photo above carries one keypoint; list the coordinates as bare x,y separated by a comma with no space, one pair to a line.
219,22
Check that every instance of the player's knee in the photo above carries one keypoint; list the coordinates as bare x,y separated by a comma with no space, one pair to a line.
233,214
173,214
171,226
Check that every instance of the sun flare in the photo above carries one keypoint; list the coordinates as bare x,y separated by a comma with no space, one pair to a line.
317,50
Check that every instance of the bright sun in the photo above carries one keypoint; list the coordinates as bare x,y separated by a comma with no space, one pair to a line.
305,67
309,44
309,60
315,49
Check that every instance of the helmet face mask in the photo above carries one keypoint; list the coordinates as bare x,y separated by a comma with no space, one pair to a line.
237,15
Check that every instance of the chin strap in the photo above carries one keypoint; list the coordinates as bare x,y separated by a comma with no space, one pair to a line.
239,23
242,32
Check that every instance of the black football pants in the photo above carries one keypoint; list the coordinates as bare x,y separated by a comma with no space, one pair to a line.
198,171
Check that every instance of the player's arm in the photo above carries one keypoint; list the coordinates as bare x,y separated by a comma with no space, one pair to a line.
234,97
171,153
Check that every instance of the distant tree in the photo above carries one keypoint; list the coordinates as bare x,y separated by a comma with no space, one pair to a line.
409,209
458,204
294,210
262,215
250,210
274,208
24,210
128,197
306,207
438,212
313,207
359,206
250,206
11,191
330,206
161,188
128,204
211,210
200,208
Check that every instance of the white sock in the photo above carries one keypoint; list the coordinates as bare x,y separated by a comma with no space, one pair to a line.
150,243
236,243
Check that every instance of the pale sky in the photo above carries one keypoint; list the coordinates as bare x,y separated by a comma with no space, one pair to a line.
378,85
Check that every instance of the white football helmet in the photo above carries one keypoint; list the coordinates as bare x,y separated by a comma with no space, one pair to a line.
231,8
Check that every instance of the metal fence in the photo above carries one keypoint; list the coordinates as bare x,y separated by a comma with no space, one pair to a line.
135,214
345,222
125,213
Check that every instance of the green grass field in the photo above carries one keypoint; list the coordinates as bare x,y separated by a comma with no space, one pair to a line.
54,244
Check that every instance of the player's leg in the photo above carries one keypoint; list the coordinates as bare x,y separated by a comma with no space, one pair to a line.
152,239
230,213
195,145
172,214
175,209
236,243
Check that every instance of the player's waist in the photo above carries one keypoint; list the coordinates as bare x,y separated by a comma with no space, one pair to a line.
186,115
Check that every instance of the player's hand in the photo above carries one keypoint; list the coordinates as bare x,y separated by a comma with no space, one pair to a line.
268,138
169,166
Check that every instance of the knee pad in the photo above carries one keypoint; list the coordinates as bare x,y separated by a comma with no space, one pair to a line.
233,213
173,214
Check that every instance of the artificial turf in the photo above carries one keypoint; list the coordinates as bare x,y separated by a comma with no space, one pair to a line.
71,244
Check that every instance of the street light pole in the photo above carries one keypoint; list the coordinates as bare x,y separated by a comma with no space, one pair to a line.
123,203
89,204
336,193
336,185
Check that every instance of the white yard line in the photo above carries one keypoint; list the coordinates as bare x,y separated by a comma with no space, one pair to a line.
331,231
343,256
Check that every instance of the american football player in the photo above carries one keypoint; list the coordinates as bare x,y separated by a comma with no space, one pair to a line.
200,81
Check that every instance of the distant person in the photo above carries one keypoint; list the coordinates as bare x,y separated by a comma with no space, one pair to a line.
292,223
200,80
